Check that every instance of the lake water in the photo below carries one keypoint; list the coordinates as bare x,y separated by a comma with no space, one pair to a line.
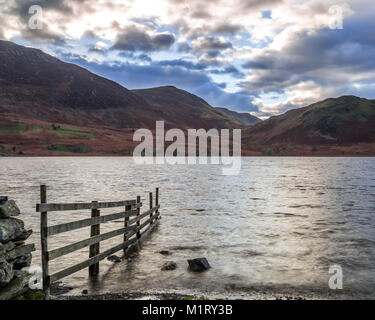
275,228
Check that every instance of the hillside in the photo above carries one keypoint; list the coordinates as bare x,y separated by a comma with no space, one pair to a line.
38,86
49,107
340,122
179,106
245,119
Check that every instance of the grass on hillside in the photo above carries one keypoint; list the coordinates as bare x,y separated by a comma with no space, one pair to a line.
72,133
20,127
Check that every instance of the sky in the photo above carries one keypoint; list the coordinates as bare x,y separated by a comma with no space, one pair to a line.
258,56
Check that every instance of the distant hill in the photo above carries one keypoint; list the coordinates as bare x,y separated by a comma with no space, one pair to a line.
38,86
48,107
342,120
245,119
336,122
177,106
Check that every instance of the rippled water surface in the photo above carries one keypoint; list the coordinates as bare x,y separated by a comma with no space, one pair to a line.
277,226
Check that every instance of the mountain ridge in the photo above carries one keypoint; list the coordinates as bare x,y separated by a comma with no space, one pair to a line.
41,86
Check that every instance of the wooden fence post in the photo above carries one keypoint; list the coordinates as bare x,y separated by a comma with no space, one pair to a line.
151,206
127,208
138,222
95,248
44,242
157,200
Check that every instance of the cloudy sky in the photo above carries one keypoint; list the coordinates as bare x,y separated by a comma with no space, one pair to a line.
258,56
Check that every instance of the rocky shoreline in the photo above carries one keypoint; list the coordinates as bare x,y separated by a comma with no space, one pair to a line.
14,254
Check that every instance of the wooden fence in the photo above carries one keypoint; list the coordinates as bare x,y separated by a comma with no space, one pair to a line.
131,231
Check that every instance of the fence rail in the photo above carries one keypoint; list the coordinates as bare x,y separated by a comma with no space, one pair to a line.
131,231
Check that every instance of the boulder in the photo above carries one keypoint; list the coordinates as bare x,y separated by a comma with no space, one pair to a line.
8,209
11,229
22,262
198,265
18,286
6,273
24,236
168,266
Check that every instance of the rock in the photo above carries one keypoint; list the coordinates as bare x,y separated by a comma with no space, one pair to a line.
16,287
9,246
6,273
199,265
18,243
168,266
3,199
22,262
24,235
114,259
165,252
9,209
3,250
11,229
58,288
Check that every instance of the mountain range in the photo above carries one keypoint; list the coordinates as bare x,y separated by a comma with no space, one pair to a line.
49,107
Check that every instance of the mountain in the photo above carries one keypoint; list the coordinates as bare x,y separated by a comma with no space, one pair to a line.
245,119
332,124
38,86
179,106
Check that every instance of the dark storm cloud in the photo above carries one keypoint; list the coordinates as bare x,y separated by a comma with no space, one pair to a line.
232,70
44,35
212,43
226,28
21,7
254,4
135,39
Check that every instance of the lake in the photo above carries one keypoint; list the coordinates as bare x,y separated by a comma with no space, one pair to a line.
275,228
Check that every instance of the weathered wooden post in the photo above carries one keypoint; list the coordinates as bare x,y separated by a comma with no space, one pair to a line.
95,248
44,242
128,209
138,214
157,200
151,207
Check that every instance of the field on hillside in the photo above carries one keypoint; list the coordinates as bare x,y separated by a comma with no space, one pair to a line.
25,137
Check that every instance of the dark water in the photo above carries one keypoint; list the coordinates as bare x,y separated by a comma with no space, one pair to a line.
277,227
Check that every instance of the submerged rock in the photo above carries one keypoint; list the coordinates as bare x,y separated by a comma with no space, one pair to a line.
114,259
8,209
169,266
59,288
198,265
165,252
